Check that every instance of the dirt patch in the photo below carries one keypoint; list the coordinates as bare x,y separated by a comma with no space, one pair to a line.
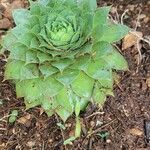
118,126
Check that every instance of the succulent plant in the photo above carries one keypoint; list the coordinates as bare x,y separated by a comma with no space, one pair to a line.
61,55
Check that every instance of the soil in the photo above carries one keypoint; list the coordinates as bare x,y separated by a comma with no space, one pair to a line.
119,125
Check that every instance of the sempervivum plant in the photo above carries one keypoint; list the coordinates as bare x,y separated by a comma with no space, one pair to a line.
61,57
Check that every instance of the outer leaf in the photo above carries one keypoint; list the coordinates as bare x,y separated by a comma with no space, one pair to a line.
66,106
18,52
67,76
78,128
81,62
88,4
114,33
101,15
99,96
83,85
116,61
102,49
97,68
106,79
30,104
105,51
35,88
111,33
20,16
18,70
47,70
62,64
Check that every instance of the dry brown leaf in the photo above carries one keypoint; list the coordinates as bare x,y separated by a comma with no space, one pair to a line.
131,39
5,23
14,5
148,82
136,131
24,119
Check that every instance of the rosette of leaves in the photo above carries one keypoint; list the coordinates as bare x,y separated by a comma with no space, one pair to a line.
61,55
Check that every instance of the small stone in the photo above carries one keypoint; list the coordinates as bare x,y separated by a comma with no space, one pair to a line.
92,123
30,143
108,141
148,82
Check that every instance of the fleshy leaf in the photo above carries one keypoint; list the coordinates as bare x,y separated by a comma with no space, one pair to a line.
47,70
66,105
99,96
114,33
35,88
83,85
20,16
116,61
110,33
97,68
101,15
18,70
62,64
67,76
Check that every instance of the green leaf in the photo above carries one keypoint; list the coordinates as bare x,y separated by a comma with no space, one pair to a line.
78,128
32,104
65,103
35,88
18,52
102,49
13,116
101,16
43,57
46,104
77,108
18,70
31,57
69,141
106,79
61,125
88,4
81,62
83,85
116,61
50,87
99,96
62,64
105,51
8,41
96,68
20,16
114,33
110,33
47,70
67,76
30,89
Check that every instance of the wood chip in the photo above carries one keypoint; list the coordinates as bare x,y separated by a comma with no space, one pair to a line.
148,82
5,23
24,119
136,132
131,39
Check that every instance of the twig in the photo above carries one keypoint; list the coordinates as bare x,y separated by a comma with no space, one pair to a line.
62,133
96,113
98,129
138,18
2,119
122,16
